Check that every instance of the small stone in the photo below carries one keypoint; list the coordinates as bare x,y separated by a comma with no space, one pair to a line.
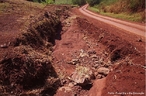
104,71
70,84
4,46
115,77
96,65
139,40
95,74
82,51
65,89
84,38
106,65
99,76
84,55
92,52
94,56
74,61
82,75
96,62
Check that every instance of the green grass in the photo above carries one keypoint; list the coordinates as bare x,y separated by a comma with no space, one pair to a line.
108,2
121,9
136,17
124,16
93,9
63,1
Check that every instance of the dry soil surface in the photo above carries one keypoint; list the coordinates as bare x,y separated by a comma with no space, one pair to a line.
114,57
122,52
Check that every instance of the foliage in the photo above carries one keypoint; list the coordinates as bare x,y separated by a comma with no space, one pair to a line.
135,5
79,2
49,1
116,6
46,1
93,2
108,2
63,1
132,10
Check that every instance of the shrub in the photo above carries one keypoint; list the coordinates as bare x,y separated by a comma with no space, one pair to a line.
93,2
136,5
79,2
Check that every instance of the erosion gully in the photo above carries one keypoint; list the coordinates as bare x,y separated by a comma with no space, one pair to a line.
75,55
83,59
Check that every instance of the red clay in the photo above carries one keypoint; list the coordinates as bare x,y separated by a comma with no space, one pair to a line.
83,32
138,29
123,76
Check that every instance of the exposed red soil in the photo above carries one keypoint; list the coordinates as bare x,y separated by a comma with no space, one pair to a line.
128,75
121,52
12,22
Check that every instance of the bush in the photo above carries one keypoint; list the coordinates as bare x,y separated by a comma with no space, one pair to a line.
46,1
79,2
93,2
136,5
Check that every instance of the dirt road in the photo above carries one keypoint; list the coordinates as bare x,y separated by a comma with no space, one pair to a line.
127,26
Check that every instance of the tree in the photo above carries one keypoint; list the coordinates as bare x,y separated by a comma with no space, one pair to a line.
136,5
79,2
93,2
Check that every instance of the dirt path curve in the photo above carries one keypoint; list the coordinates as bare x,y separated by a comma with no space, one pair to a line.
127,26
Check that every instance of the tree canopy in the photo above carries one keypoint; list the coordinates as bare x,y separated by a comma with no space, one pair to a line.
93,2
79,2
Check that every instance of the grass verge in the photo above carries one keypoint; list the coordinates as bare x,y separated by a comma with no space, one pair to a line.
63,1
135,17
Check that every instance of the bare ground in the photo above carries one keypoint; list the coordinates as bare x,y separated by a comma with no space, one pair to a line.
123,53
83,43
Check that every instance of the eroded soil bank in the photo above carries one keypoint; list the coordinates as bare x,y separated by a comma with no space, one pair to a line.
26,41
58,51
92,61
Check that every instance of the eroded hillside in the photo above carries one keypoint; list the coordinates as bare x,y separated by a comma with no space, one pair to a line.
57,51
28,32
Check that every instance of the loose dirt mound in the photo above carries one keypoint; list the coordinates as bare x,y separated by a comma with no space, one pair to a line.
116,47
25,62
25,68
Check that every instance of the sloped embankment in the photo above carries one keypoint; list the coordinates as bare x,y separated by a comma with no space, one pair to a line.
126,59
27,65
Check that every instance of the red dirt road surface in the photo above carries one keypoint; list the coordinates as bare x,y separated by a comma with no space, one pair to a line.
138,29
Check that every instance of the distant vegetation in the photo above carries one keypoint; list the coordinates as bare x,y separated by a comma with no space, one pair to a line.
116,6
79,2
63,2
133,10
93,2
44,1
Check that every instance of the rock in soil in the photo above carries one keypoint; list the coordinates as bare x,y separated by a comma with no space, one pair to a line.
82,75
104,71
74,61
